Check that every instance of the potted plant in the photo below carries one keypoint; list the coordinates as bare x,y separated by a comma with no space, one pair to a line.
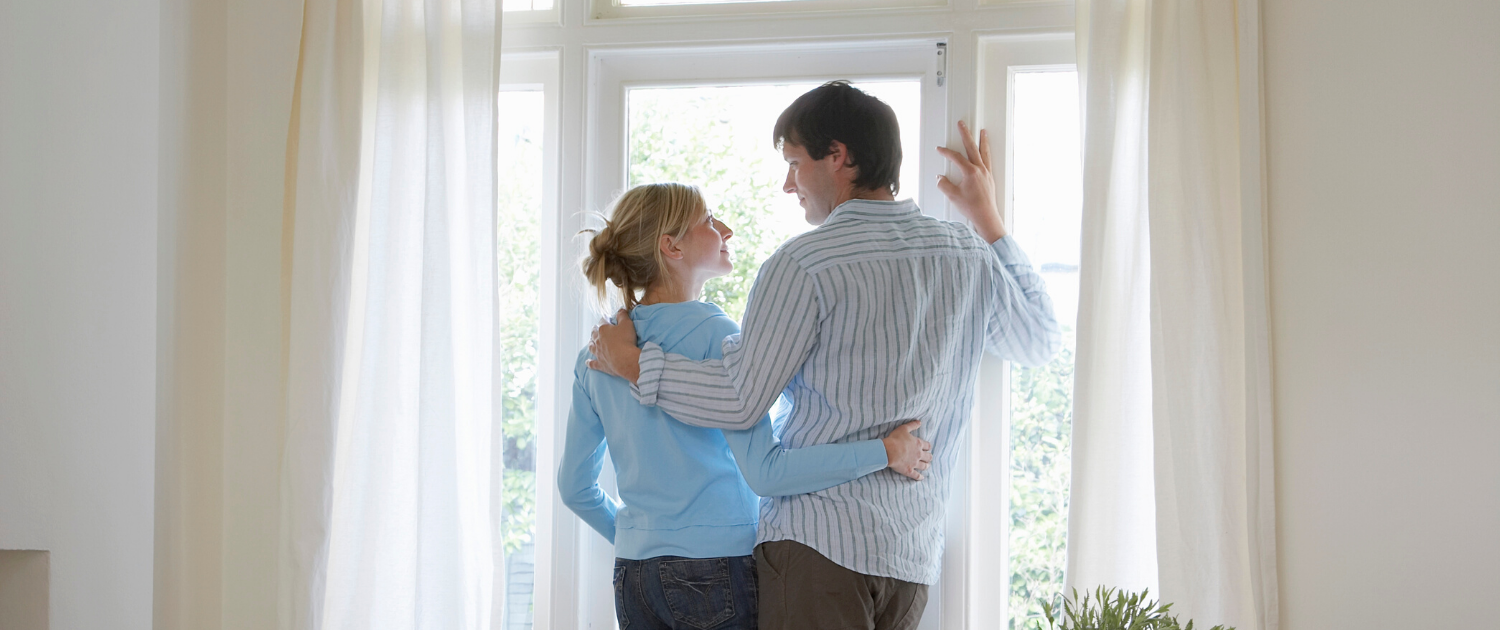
1111,609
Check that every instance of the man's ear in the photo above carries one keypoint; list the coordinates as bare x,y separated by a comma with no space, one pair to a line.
842,160
838,153
669,248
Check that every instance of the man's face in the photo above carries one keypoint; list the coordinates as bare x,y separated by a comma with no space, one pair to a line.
815,182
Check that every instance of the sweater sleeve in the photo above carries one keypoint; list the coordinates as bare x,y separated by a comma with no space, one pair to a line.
582,459
775,471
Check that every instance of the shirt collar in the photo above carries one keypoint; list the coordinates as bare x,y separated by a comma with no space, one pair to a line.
873,210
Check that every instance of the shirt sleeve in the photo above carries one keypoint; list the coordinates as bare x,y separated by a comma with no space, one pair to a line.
775,471
1021,326
582,459
780,330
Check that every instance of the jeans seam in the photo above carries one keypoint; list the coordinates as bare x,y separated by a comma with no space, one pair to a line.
623,592
640,588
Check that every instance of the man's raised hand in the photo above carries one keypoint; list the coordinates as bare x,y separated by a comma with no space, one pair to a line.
974,196
906,453
613,347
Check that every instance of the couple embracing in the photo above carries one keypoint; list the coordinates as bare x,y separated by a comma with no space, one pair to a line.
875,318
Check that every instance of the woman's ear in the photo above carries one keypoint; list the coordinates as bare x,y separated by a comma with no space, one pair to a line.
669,248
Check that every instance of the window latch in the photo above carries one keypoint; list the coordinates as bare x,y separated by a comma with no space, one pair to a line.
942,63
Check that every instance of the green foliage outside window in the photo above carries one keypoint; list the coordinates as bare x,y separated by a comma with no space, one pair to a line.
520,304
1041,446
675,137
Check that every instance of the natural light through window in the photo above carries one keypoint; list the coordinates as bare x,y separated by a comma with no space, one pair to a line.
646,3
1046,189
719,138
520,200
526,5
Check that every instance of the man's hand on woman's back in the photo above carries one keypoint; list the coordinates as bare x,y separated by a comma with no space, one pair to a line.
613,347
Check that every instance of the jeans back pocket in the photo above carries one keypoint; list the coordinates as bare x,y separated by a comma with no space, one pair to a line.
698,591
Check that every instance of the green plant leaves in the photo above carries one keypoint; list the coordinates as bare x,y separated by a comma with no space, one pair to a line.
1112,609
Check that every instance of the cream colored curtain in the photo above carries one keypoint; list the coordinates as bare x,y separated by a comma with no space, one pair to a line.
390,463
1174,257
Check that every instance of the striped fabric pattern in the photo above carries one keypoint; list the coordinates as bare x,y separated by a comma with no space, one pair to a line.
876,317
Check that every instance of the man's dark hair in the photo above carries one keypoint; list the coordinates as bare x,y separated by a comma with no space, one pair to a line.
866,126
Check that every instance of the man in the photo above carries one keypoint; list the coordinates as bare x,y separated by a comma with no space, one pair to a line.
877,315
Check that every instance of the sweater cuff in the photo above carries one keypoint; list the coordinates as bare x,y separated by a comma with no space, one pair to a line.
1009,252
869,456
652,361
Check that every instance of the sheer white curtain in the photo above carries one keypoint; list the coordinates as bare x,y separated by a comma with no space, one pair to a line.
1173,475
389,510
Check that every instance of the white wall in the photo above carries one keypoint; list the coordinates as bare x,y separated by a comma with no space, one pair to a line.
78,256
228,72
1383,123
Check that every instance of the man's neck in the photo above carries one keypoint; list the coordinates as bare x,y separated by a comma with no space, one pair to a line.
876,194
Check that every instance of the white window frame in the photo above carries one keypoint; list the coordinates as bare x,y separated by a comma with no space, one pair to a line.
571,590
614,9
524,71
1000,58
614,71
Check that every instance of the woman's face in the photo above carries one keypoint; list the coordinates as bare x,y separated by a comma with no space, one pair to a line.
705,247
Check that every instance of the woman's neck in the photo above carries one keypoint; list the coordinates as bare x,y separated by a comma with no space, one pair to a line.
667,292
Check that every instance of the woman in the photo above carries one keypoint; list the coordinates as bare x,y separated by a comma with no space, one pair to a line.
684,527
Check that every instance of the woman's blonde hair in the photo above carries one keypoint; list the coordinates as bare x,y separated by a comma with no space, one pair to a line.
626,252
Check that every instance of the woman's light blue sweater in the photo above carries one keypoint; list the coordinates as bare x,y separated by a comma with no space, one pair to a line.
681,493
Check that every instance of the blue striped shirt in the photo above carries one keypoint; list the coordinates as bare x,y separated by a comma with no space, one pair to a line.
877,316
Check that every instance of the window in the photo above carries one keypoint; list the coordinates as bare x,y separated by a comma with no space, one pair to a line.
526,136
1045,194
617,9
719,138
642,93
526,5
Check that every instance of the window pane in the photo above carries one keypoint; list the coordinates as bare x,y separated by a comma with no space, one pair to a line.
520,201
526,5
647,3
719,138
1046,193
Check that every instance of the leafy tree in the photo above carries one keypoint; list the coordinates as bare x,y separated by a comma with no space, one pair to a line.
682,136
519,234
1041,446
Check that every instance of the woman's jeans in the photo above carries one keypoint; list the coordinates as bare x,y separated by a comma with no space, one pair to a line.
672,593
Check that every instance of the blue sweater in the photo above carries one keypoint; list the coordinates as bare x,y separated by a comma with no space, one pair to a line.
681,493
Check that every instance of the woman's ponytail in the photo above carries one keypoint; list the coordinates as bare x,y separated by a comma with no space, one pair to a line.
626,251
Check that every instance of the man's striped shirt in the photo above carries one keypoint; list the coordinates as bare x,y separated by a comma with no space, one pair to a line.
874,318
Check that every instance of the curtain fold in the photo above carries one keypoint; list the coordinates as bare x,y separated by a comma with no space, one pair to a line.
1111,508
1172,150
390,464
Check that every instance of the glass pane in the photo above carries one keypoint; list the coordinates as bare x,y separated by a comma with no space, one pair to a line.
719,138
1046,194
647,3
520,200
526,5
